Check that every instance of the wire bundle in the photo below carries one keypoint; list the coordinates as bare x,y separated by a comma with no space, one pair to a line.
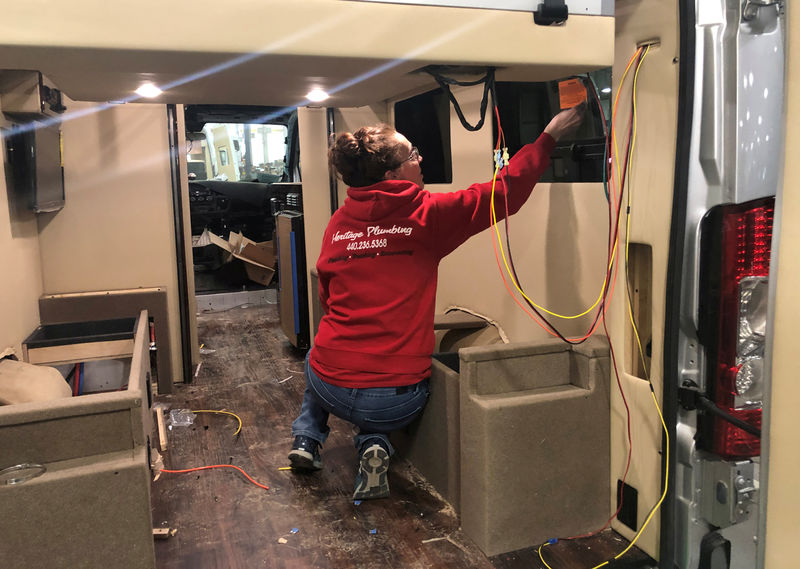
615,182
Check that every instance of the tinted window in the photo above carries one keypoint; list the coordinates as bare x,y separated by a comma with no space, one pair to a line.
425,121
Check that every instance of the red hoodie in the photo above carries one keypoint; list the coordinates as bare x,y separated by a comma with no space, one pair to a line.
378,270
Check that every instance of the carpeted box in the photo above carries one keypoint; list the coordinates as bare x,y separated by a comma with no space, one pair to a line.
535,418
91,506
516,438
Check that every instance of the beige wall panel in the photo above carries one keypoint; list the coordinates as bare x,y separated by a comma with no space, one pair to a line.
21,282
116,230
652,187
558,246
312,130
783,497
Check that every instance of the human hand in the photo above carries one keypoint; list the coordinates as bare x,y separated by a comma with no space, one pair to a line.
566,122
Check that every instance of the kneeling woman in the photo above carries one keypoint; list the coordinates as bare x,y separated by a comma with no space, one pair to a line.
377,284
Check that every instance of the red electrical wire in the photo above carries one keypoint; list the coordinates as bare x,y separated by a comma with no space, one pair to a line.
500,134
216,466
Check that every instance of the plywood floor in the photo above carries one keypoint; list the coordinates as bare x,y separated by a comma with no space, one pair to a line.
303,521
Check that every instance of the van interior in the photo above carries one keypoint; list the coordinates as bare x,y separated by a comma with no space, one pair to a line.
167,188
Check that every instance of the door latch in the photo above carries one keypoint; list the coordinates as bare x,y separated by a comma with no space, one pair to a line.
751,7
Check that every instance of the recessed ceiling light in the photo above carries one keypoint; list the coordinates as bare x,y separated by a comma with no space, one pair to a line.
605,90
317,95
148,91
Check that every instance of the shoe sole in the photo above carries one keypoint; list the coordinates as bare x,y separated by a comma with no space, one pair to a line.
304,460
373,474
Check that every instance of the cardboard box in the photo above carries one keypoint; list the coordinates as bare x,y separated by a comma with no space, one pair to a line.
258,258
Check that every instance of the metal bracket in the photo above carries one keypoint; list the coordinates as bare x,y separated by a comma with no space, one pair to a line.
551,13
730,491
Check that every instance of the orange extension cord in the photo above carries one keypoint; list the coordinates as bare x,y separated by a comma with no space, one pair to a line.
216,466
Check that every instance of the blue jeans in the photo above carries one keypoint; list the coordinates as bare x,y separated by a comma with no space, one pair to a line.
376,411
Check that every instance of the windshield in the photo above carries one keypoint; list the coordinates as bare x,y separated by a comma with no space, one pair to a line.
239,152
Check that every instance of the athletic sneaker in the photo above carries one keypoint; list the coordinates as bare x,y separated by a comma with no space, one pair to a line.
372,479
305,454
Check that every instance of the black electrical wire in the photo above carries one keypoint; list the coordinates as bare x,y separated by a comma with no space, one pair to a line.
692,398
71,373
707,405
488,85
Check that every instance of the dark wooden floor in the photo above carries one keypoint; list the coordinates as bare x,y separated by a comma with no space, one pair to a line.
302,521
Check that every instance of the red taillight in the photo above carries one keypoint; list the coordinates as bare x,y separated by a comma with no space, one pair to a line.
744,268
753,240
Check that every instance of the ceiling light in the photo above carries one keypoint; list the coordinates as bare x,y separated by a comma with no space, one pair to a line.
317,95
605,90
148,91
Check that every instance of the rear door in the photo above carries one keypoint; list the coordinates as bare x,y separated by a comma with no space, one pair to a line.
716,364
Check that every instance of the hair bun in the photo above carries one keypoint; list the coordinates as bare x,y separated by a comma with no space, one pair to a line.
348,145
363,157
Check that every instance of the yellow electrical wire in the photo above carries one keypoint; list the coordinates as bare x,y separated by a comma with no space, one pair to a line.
614,118
545,544
222,413
628,215
641,353
511,273
614,250
663,494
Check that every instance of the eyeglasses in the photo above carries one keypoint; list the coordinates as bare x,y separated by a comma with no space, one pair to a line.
415,155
